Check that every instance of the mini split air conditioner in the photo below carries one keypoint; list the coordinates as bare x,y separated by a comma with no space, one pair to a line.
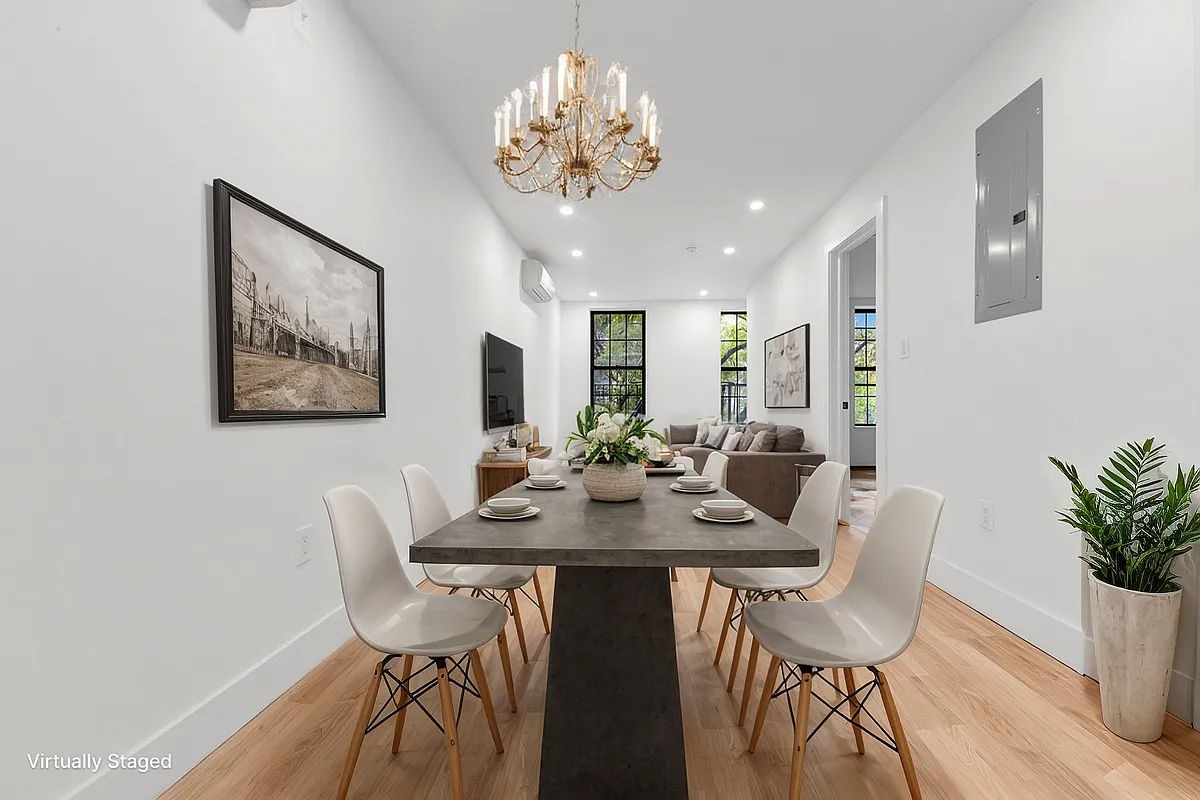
536,281
268,3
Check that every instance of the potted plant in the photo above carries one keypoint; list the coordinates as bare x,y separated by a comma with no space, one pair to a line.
1135,524
615,445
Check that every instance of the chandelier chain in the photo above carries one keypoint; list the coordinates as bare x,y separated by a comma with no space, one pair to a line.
577,25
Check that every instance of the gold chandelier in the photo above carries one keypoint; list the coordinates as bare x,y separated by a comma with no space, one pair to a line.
584,143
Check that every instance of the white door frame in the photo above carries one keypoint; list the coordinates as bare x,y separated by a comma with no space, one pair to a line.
839,344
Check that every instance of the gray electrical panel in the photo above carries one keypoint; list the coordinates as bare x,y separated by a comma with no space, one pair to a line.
1008,209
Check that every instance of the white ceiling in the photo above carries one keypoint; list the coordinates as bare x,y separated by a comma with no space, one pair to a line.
783,100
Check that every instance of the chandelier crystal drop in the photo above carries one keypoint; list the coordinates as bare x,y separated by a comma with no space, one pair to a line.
582,144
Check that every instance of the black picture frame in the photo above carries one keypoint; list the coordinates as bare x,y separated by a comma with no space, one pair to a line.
767,394
285,330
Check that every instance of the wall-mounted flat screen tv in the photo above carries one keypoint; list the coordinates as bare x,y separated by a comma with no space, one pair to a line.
503,383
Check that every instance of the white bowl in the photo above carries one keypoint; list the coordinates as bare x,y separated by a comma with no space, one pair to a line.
546,479
724,509
507,506
694,481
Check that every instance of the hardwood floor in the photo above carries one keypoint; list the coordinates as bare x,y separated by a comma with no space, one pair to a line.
987,716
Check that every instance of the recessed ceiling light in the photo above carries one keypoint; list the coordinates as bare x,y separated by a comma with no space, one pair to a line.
704,292
577,253
593,294
729,250
756,205
566,210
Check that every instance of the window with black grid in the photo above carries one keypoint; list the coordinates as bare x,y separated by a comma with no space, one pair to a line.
733,366
619,360
865,387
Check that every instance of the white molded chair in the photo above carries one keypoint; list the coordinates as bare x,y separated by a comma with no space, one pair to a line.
543,466
392,616
428,512
716,467
870,622
815,515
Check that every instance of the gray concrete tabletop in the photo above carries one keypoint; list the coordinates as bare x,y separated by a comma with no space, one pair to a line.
657,530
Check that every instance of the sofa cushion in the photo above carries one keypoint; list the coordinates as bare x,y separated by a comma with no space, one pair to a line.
789,439
716,435
732,440
745,441
703,426
682,434
764,442
755,427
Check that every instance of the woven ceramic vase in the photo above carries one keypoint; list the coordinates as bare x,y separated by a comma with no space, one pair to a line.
614,483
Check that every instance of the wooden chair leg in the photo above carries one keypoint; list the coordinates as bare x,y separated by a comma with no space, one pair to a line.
749,681
537,588
516,615
704,603
360,730
800,746
893,715
854,708
674,576
733,596
451,729
768,690
485,697
837,683
502,644
737,651
404,673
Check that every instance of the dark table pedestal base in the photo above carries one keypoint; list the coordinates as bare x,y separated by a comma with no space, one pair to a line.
613,727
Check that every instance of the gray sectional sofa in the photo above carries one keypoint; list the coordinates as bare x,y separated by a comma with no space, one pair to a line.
764,479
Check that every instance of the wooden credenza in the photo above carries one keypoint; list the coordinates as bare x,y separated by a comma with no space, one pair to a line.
493,477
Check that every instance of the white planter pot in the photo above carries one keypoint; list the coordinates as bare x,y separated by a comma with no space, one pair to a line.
614,483
1135,636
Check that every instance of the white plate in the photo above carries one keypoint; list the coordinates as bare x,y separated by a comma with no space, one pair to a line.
698,513
558,485
487,513
704,490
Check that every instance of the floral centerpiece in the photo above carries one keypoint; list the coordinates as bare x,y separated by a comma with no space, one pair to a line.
615,444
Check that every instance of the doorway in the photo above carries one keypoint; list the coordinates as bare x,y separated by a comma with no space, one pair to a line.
856,367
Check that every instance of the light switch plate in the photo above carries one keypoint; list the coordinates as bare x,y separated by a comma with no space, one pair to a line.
987,515
904,347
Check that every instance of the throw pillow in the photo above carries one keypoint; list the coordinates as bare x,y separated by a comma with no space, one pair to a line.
746,440
703,426
716,435
789,439
764,442
732,440
755,427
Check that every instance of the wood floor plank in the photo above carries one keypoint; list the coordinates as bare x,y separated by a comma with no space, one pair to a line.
987,716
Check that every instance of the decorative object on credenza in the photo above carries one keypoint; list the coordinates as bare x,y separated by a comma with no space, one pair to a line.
785,370
299,318
616,444
582,143
1135,525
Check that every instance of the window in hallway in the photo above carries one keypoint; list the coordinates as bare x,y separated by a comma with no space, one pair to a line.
619,360
864,366
733,366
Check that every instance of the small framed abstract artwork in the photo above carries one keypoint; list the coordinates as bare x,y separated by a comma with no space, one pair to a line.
785,369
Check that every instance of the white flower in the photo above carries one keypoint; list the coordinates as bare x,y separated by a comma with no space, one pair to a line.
608,432
591,436
650,445
619,419
603,418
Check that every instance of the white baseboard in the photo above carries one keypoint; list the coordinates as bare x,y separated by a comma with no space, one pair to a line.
1053,635
1043,630
201,730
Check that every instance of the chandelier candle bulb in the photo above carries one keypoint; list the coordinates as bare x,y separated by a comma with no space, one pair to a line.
562,77
621,88
516,101
533,90
644,113
507,120
499,130
545,96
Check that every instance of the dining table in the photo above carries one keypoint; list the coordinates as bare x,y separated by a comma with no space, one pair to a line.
613,725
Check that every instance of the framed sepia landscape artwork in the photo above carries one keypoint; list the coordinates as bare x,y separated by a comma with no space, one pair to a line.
299,318
786,369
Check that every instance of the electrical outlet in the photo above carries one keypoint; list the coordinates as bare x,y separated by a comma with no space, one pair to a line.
303,545
904,347
302,21
987,515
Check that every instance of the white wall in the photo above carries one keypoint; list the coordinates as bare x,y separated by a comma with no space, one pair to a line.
861,280
683,358
152,594
977,408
